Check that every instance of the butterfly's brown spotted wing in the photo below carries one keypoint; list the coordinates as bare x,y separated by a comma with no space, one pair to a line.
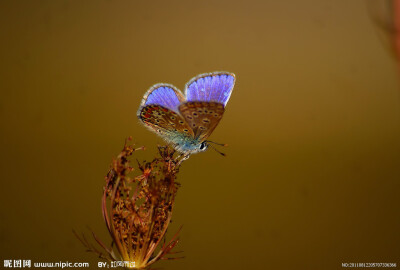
202,117
164,121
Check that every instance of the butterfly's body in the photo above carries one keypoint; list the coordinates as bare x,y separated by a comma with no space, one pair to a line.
186,144
187,121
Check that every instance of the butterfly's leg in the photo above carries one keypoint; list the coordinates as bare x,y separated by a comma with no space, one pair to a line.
182,157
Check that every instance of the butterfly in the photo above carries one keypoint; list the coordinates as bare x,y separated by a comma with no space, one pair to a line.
187,120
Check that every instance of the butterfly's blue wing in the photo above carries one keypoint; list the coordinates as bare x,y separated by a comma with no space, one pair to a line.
211,87
165,95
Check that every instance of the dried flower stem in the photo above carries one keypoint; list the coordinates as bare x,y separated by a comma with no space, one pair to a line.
137,221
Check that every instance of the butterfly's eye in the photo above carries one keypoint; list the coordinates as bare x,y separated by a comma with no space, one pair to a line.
203,146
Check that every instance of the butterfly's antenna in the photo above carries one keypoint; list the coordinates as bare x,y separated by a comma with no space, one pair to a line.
221,144
216,150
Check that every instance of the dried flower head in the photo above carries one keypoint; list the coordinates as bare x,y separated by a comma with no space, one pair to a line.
139,209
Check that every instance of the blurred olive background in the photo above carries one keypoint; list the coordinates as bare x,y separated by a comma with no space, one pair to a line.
311,177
